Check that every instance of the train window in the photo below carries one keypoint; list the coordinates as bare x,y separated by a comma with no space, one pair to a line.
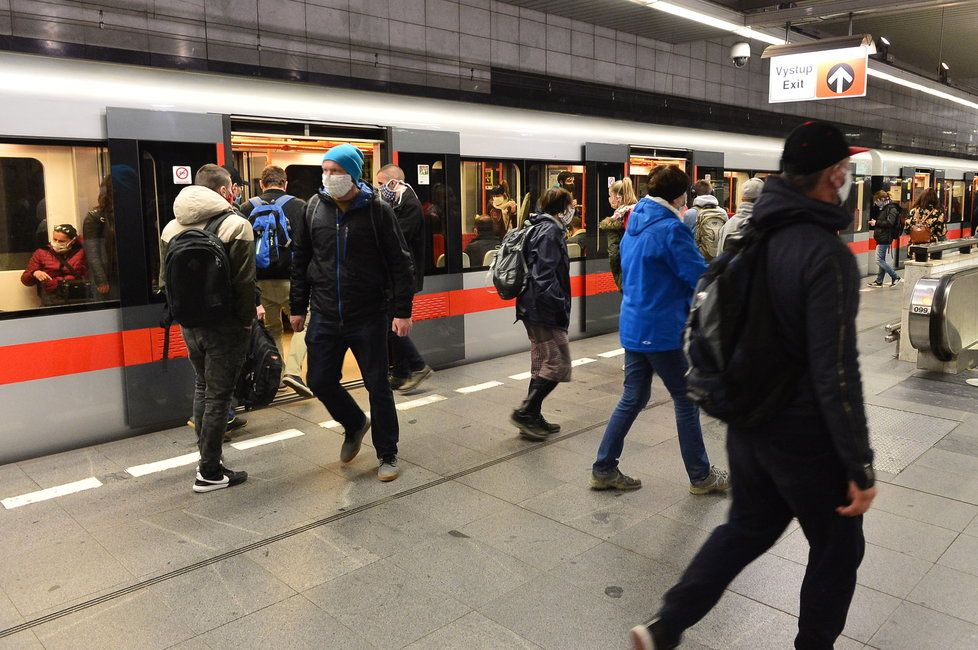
50,197
542,176
493,202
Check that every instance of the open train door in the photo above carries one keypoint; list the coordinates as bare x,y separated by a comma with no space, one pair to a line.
154,155
601,300
432,167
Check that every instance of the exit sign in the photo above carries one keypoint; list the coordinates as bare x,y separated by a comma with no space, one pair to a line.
831,74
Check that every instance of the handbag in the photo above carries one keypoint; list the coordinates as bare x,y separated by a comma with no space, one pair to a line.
72,290
920,234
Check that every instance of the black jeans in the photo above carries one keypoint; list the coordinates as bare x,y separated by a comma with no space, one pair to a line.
217,354
787,470
405,358
327,344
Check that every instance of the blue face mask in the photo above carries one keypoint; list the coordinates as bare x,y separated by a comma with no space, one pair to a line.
390,194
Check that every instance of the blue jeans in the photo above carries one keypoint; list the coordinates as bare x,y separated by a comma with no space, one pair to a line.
328,343
881,251
640,367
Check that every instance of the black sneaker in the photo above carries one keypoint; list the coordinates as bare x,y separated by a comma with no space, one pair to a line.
352,441
549,426
295,383
395,381
652,637
226,479
874,285
896,282
530,426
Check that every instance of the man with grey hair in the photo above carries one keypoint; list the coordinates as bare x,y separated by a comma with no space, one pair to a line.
732,228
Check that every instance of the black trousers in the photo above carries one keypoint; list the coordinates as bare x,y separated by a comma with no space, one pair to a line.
786,470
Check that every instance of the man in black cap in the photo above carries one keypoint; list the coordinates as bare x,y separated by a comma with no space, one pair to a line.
812,459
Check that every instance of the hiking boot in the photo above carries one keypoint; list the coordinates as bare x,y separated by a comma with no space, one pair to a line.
616,481
652,637
295,383
388,470
549,426
395,381
225,479
716,481
875,285
415,379
896,282
530,426
352,441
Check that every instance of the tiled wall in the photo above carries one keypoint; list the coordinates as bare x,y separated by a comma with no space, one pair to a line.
453,44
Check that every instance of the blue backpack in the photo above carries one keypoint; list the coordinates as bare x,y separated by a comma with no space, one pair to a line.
273,237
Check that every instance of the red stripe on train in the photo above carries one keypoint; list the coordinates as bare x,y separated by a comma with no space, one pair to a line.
869,245
47,359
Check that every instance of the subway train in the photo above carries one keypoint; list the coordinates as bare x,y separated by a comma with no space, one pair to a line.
107,147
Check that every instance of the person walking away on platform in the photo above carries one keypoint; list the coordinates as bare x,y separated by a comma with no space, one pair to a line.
886,226
274,267
811,458
408,368
706,219
621,196
660,267
926,213
734,226
352,269
544,307
217,350
485,241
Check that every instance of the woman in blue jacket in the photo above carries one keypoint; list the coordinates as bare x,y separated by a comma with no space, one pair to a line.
544,307
660,266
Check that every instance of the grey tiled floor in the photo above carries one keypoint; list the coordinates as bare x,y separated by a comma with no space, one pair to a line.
486,541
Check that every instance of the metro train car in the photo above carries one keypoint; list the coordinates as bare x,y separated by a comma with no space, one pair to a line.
106,148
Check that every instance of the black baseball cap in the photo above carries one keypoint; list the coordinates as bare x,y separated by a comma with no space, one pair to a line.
815,146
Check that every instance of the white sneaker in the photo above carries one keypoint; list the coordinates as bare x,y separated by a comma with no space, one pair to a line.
388,470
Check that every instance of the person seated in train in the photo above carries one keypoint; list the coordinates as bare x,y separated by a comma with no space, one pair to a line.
927,217
732,228
576,234
503,209
485,240
58,270
98,231
544,307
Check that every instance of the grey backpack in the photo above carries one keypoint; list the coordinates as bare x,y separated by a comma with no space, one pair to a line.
709,222
509,269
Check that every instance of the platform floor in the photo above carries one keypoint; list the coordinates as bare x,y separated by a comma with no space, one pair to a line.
486,541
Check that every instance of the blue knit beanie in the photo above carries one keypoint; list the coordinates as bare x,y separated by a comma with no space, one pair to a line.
349,158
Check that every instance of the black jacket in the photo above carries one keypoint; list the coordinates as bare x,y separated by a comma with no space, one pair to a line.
547,297
814,284
294,211
411,220
482,244
350,267
887,224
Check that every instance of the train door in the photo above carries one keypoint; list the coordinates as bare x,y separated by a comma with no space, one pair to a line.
971,201
708,166
153,155
604,164
432,167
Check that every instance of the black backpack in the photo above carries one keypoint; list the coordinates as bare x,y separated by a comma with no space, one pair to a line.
739,369
197,276
509,270
262,372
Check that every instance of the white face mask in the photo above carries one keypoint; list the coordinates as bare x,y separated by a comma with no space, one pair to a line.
337,185
567,215
846,187
60,247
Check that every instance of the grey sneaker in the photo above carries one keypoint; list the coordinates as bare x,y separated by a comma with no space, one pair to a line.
388,470
716,481
295,383
616,481
415,380
352,441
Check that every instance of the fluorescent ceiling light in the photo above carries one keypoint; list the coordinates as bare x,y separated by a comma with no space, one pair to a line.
885,76
712,21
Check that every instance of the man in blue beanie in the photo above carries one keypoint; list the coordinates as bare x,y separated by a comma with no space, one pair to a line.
350,269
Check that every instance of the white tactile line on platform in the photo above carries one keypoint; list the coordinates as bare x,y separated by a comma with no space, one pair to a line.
612,353
421,401
51,493
520,376
580,362
333,424
161,465
476,388
265,440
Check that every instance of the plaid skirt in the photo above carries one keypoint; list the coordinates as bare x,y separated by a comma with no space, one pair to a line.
549,353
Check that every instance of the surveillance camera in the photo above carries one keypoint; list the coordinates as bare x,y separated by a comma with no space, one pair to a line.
740,54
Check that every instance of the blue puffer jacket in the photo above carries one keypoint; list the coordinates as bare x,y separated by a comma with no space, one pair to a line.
660,264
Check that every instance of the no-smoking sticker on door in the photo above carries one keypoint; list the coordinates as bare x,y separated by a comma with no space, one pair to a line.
181,175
